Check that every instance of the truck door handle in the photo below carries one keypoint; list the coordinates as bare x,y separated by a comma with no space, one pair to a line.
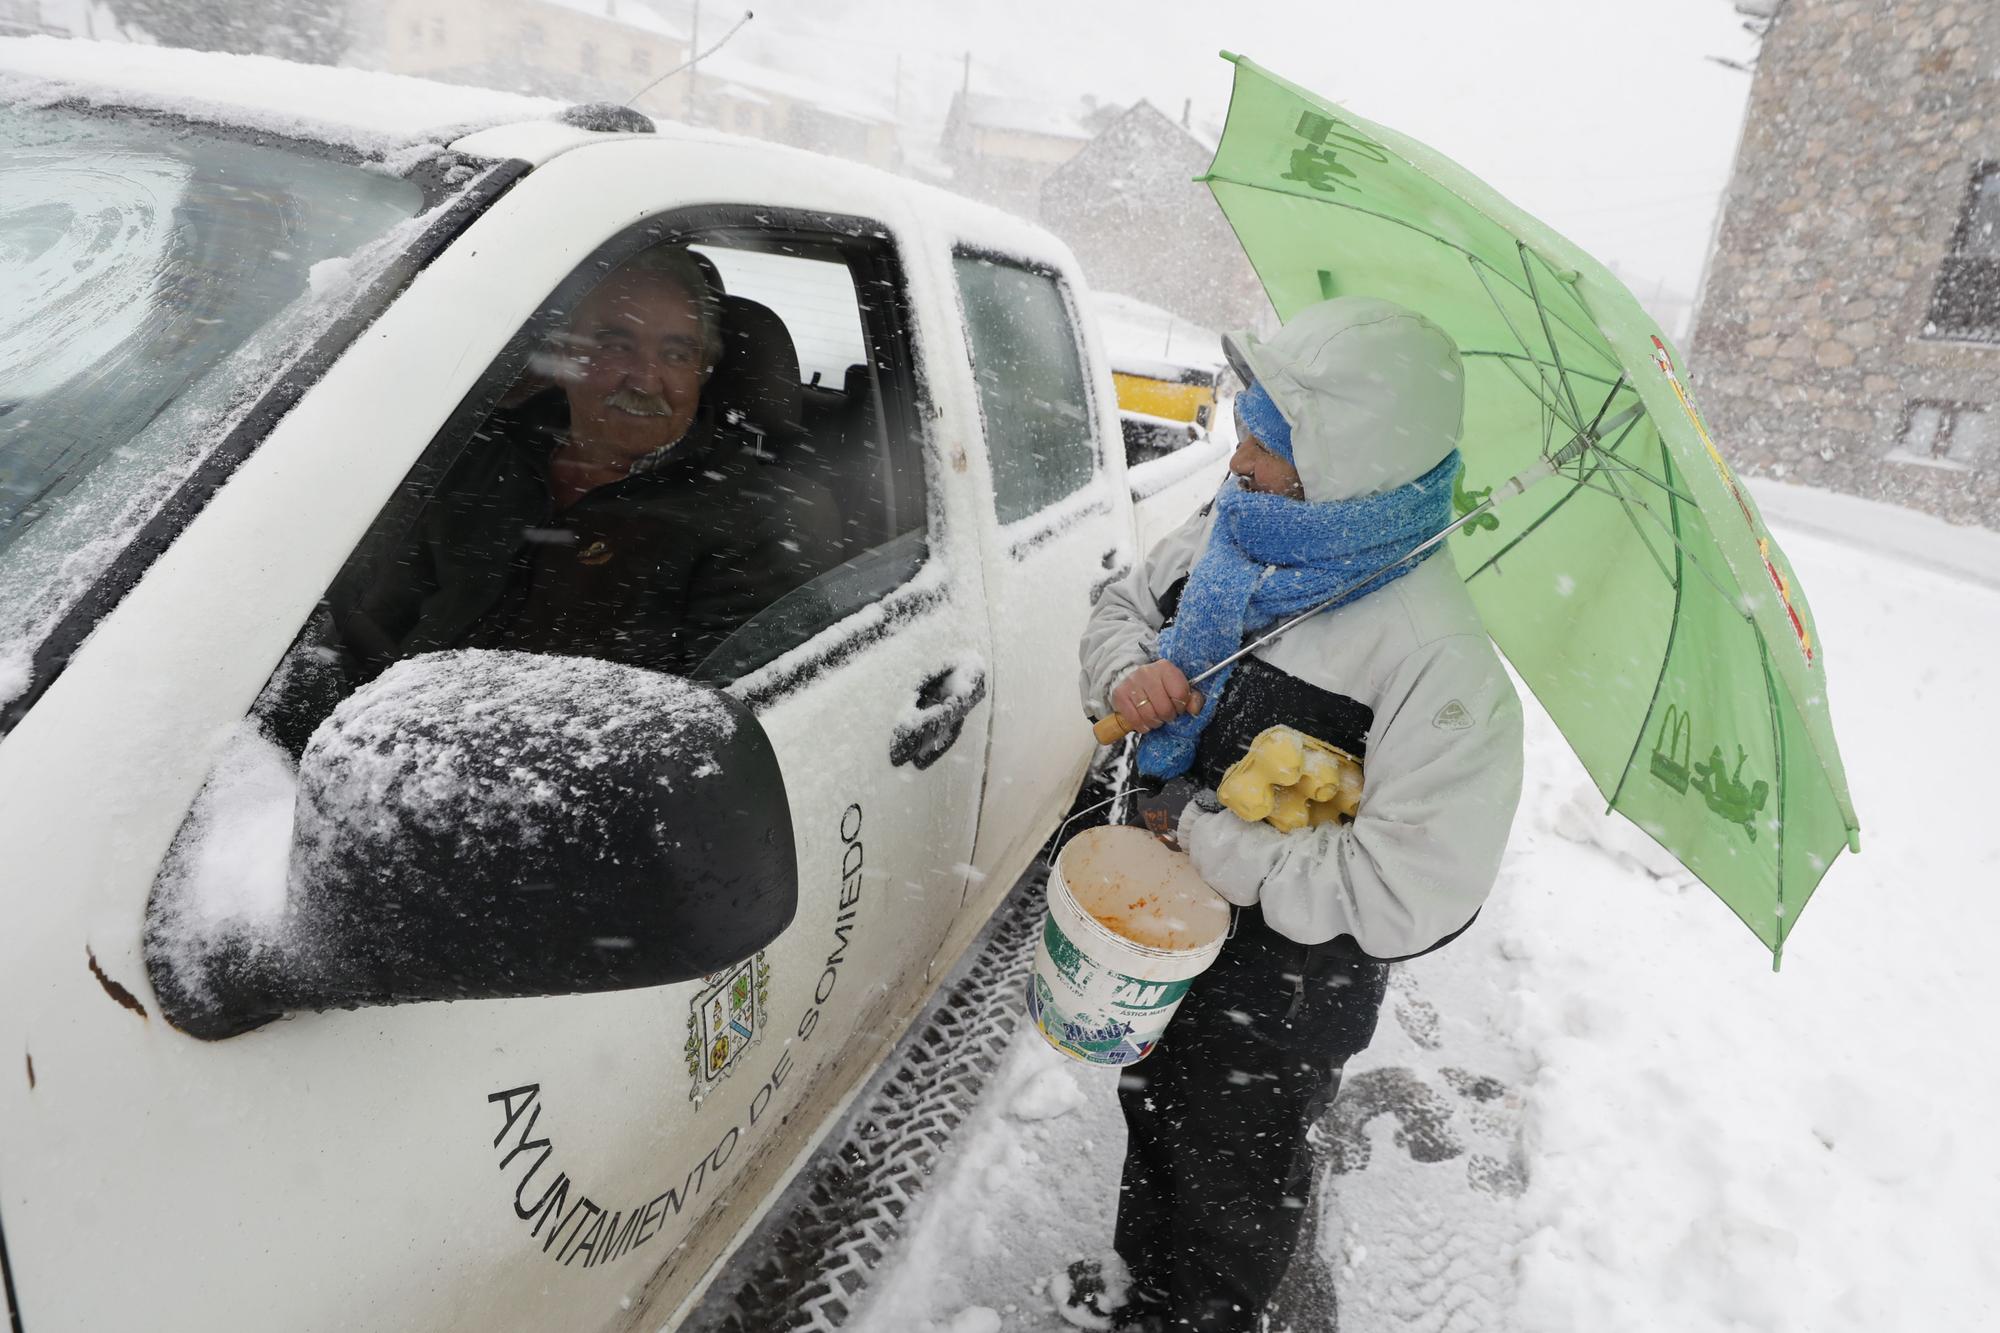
944,702
1114,571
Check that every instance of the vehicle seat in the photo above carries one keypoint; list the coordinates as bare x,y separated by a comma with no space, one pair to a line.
756,388
756,383
872,478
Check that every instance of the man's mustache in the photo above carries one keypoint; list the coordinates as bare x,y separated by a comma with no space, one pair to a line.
634,403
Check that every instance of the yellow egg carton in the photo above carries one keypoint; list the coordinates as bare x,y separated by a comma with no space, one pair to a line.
1290,780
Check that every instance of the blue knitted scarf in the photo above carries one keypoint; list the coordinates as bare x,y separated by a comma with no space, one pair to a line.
1269,557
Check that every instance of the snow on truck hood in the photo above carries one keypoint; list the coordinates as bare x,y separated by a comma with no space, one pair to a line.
373,113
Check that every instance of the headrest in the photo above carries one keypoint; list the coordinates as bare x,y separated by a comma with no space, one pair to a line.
756,384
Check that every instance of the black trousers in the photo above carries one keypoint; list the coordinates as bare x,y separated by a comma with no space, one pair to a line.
1217,1171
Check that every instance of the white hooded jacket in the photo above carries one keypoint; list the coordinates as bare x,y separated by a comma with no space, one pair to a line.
1374,395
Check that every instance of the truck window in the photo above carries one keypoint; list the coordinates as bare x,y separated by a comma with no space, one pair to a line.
1040,429
646,471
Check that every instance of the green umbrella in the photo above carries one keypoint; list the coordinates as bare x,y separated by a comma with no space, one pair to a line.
1637,592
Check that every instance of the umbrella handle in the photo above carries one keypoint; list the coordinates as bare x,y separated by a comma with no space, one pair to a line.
1112,728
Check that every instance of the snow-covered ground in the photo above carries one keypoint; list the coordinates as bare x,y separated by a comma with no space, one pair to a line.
1601,1110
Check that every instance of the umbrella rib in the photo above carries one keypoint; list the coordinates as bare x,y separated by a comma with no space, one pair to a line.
1699,567
1516,356
1610,452
1781,926
1628,504
1605,406
1330,202
1526,532
1549,410
1542,313
1633,468
1666,656
1552,402
1583,476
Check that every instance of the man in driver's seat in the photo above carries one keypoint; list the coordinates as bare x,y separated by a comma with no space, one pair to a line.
613,515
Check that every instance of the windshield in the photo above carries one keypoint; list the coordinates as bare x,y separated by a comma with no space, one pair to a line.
151,281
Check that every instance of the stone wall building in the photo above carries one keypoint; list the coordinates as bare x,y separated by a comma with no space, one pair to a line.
1849,330
1128,204
1001,149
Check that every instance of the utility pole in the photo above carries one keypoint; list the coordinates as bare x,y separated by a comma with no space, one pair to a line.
694,64
966,140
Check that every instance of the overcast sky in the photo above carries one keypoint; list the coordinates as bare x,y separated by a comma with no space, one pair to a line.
1601,116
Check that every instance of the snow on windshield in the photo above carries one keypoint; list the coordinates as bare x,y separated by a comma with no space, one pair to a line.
153,282
83,245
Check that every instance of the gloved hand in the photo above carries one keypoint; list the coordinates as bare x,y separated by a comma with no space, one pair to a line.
1290,780
1232,856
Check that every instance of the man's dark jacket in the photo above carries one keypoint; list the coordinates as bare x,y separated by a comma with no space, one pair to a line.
652,571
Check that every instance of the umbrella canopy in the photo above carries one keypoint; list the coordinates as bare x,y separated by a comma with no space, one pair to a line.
1637,592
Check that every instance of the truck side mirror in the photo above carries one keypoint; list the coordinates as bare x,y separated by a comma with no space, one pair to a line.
488,825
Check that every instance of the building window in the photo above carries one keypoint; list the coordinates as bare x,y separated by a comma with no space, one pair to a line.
532,34
586,58
437,32
1966,303
746,118
642,60
1962,437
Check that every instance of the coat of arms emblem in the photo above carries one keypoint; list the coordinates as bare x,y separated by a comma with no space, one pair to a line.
725,1019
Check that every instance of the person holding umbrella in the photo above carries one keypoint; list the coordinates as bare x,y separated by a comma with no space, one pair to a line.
1348,457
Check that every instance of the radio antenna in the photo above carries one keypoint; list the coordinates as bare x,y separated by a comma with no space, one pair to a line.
693,60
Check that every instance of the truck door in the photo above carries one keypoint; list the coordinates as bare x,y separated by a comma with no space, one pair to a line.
1058,524
560,1161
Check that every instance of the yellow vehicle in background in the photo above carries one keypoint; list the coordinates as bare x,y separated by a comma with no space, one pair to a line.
1170,375
1188,398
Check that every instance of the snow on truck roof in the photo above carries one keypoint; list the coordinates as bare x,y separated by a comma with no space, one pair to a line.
360,109
382,115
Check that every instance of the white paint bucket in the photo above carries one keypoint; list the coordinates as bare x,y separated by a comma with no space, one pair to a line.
1130,925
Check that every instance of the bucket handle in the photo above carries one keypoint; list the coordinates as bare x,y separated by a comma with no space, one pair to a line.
1165,839
1088,810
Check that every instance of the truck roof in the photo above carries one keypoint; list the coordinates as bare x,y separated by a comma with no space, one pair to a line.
373,113
400,120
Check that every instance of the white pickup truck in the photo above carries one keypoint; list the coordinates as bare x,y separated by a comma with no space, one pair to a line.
255,312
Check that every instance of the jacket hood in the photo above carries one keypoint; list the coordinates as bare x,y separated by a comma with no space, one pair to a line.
1374,393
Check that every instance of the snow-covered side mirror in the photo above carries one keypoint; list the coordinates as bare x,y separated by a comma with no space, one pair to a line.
488,825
